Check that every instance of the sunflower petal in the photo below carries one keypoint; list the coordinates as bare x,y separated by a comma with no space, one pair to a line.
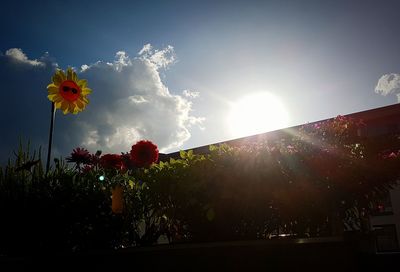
52,85
53,90
69,73
80,104
57,79
71,107
61,74
82,83
52,97
64,106
58,98
86,91
74,76
85,100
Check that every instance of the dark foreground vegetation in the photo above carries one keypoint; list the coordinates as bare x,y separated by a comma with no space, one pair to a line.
315,182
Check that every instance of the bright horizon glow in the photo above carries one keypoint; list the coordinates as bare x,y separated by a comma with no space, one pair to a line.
257,113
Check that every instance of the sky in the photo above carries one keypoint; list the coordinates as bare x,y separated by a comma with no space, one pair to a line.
178,72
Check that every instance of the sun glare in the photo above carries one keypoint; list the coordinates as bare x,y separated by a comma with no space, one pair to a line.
257,113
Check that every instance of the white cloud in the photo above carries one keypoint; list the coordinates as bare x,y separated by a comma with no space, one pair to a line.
137,99
18,55
389,84
146,48
129,103
190,94
84,67
121,60
159,58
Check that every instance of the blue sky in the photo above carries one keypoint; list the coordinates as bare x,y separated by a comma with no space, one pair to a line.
170,71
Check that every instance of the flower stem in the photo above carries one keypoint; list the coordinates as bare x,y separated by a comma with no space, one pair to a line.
53,113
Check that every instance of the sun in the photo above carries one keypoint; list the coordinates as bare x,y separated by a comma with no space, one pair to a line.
257,113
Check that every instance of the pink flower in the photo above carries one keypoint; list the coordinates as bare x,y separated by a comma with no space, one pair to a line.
387,154
317,126
79,156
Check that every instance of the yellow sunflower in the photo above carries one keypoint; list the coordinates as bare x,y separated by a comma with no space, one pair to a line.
68,92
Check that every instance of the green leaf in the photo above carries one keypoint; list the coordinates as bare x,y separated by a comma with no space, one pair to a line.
182,153
190,154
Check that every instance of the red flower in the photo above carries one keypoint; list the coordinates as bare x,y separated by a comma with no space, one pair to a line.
87,169
144,153
111,161
79,156
95,158
127,163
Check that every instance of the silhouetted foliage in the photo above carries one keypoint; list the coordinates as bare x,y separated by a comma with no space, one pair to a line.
315,181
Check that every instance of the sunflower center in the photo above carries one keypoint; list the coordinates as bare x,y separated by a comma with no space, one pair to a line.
69,90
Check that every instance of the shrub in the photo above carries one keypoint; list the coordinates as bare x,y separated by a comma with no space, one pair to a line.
312,182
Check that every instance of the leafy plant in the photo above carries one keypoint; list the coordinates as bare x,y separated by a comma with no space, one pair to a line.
312,182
